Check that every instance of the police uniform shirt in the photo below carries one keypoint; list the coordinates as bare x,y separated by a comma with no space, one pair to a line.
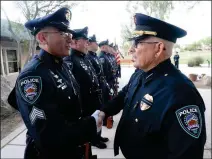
87,79
94,59
163,116
107,67
176,58
48,99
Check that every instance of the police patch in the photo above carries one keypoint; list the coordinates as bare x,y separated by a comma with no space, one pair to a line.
30,88
190,120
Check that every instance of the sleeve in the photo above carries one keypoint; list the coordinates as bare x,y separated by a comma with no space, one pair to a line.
38,105
12,99
184,125
115,105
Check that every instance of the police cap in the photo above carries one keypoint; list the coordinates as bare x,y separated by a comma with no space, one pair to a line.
102,43
92,39
80,33
149,26
60,19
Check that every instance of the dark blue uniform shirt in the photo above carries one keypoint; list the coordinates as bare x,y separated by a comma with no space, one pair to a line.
163,116
85,75
48,99
108,68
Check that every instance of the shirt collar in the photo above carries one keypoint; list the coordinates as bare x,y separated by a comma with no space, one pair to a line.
92,53
161,68
78,53
49,58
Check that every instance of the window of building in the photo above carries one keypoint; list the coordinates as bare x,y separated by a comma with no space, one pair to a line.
12,61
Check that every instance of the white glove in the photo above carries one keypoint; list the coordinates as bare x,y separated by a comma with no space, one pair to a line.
96,116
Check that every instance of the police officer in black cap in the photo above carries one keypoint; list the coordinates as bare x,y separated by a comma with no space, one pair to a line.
86,76
95,62
118,54
48,96
176,60
163,113
107,67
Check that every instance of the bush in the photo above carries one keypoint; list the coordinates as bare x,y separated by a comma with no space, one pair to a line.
196,61
191,63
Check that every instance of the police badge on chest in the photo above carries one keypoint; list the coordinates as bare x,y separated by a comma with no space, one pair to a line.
146,102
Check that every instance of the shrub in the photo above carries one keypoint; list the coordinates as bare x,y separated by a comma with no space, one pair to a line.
191,63
196,61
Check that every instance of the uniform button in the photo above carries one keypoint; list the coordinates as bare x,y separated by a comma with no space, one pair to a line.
69,97
136,120
166,75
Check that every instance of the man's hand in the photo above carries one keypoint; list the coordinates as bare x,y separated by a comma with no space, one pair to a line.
101,117
98,120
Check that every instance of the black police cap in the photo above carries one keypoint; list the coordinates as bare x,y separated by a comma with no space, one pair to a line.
59,19
102,43
80,33
111,45
92,39
149,26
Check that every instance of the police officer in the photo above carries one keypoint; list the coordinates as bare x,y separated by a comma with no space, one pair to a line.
48,96
118,53
176,60
108,69
96,64
159,120
85,75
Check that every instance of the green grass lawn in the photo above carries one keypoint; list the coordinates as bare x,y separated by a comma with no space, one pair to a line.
185,56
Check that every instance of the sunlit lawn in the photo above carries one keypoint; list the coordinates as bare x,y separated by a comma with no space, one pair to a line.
185,56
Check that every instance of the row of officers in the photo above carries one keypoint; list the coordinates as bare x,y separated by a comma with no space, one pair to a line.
60,89
64,96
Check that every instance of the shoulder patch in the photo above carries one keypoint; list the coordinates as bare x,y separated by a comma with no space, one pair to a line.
30,88
189,118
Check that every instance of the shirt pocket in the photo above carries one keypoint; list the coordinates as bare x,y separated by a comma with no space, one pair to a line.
145,118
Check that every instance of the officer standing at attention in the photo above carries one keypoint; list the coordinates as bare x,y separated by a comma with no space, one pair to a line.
96,64
48,97
176,60
159,120
85,75
118,53
107,66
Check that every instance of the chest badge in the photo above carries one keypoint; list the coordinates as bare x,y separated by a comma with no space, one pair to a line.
146,102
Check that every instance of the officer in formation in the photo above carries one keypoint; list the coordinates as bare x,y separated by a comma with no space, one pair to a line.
96,64
159,120
49,97
118,53
176,60
86,76
112,59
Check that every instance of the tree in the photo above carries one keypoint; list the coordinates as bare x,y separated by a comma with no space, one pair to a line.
34,9
157,9
15,28
206,41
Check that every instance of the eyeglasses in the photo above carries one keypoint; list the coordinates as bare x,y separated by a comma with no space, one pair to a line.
64,34
135,43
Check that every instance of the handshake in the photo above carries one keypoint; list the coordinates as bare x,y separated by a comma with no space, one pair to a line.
99,117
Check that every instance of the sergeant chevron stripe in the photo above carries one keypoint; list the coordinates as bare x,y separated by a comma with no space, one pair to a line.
36,114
